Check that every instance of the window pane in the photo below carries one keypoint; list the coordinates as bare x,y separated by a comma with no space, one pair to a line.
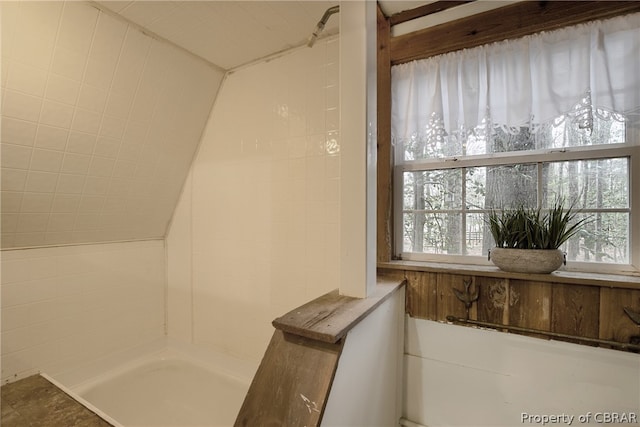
433,190
584,126
605,238
432,233
588,184
498,187
478,238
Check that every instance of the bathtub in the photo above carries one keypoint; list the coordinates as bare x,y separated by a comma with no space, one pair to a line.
460,376
165,383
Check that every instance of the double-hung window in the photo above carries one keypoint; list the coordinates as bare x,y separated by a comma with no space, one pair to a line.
548,117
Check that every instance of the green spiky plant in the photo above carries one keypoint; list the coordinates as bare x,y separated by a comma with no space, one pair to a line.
527,228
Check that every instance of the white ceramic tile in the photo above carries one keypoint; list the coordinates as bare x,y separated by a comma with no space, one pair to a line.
124,169
18,131
81,143
65,202
15,317
99,71
68,63
9,222
135,132
76,27
130,152
101,166
107,147
85,222
41,182
108,38
92,98
53,138
62,89
112,127
35,33
11,201
119,187
46,160
9,21
59,222
131,62
119,104
57,237
115,204
13,179
56,114
76,163
32,239
27,79
13,271
71,184
31,222
15,156
95,64
21,106
36,202
95,185
86,121
91,204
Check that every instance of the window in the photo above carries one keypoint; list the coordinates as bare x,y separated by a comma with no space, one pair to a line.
522,122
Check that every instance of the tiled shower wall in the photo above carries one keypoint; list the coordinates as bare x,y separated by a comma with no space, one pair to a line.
100,123
65,306
256,232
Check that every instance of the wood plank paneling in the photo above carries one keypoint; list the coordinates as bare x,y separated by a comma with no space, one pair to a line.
614,323
575,310
493,300
384,185
292,384
447,303
530,305
587,311
421,296
513,21
424,10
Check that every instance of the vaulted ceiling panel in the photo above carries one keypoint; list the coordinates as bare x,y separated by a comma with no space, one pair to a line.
229,33
100,123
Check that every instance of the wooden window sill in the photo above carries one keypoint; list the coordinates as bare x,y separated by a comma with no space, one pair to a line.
568,277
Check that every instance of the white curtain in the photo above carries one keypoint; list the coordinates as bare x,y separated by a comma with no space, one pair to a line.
570,72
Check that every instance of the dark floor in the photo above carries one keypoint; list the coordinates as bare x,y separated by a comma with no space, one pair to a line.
35,402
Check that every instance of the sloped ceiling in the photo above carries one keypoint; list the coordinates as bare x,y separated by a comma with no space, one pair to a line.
100,123
229,33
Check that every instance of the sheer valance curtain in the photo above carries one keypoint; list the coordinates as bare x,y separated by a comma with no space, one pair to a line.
573,73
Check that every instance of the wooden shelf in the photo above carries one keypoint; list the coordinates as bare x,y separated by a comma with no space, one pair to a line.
329,317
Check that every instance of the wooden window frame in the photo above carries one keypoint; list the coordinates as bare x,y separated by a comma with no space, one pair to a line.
508,22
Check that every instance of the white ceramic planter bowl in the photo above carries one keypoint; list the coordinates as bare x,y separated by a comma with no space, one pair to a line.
527,260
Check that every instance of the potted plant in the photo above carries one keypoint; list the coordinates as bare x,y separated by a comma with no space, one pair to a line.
528,240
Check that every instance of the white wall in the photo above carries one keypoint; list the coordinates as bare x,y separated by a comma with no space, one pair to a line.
256,232
358,55
65,306
459,376
367,388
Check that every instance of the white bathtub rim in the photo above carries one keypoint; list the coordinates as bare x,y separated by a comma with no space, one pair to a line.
169,355
75,396
88,375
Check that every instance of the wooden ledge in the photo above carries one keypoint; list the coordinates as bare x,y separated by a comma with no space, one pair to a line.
567,277
329,317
